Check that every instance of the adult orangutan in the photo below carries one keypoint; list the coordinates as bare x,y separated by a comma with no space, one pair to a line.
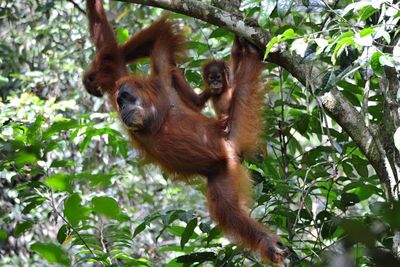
180,139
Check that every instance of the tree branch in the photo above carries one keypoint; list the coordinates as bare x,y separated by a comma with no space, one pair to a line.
334,102
77,6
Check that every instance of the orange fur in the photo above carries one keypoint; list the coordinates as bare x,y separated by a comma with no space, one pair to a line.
245,113
174,135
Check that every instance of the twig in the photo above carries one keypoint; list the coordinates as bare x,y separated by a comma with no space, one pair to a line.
69,225
207,42
77,7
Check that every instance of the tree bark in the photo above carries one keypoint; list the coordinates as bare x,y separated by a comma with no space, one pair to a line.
334,102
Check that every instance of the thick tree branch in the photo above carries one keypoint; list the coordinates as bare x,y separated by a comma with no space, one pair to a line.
227,5
210,14
334,102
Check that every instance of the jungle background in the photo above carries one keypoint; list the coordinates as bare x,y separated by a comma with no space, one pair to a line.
326,179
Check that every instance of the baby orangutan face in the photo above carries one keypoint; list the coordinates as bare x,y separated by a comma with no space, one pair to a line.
214,77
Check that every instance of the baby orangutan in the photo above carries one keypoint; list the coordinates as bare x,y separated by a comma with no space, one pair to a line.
216,79
218,76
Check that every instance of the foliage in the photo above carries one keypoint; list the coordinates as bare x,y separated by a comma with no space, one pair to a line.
73,193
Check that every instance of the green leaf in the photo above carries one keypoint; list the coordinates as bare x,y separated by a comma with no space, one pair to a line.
106,206
146,222
270,169
51,252
367,31
386,36
96,132
266,8
103,179
365,191
328,82
24,158
176,230
366,12
288,34
187,233
62,125
213,234
358,231
328,229
270,45
62,163
301,123
341,45
62,234
201,48
140,228
352,98
34,202
34,129
3,80
59,182
248,4
360,165
3,234
122,35
199,257
375,63
219,32
74,212
173,248
22,227
171,216
345,35
284,7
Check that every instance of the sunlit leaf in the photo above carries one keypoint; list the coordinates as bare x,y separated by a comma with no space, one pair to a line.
62,163
366,12
106,206
367,31
73,210
266,8
25,158
59,182
122,35
270,45
51,252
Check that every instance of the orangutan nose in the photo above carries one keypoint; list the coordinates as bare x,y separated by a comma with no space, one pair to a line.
125,96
